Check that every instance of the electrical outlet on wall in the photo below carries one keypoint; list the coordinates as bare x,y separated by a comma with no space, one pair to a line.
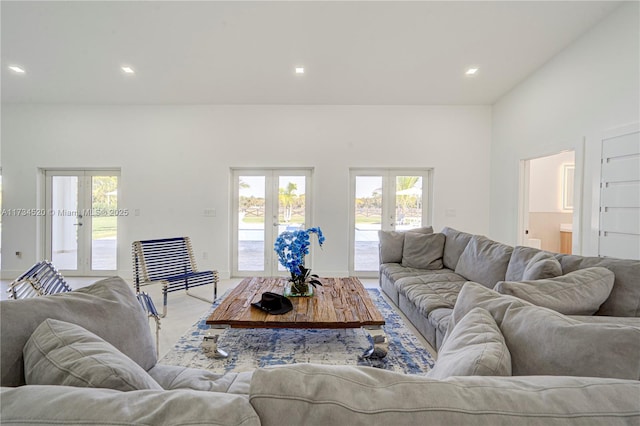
210,212
450,212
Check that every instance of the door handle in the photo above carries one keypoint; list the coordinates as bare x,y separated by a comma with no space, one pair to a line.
77,224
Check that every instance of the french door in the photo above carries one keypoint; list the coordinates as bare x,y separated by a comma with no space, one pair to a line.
265,203
384,199
81,226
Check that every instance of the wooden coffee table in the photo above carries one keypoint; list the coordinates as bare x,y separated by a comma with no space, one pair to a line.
338,303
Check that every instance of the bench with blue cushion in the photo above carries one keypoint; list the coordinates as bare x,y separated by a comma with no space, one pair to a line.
170,261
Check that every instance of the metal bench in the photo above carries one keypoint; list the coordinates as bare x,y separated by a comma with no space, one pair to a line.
150,309
40,280
43,279
171,262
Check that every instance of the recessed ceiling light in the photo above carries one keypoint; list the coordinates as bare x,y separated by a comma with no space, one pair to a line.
471,71
127,70
299,70
16,69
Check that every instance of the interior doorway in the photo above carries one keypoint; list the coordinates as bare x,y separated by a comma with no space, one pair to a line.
548,200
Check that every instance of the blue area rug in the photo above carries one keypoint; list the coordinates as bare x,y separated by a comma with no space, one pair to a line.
252,348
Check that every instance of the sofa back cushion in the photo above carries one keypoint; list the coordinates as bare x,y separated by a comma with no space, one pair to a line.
474,348
545,342
454,245
624,300
484,261
392,243
423,251
107,308
65,405
307,394
63,354
577,293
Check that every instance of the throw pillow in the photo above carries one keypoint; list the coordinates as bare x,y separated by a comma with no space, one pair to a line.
392,243
107,308
423,251
577,293
476,295
484,261
474,348
519,260
542,265
544,342
65,354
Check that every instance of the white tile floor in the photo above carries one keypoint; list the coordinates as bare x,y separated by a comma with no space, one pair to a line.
184,311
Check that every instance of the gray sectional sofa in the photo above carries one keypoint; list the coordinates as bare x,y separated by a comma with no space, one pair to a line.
423,273
87,357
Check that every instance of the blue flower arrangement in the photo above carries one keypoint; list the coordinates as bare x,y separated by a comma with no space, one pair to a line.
292,247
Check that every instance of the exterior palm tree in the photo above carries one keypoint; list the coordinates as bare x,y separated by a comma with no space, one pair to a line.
404,199
286,197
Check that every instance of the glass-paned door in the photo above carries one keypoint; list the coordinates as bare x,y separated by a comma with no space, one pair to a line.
384,199
266,203
82,222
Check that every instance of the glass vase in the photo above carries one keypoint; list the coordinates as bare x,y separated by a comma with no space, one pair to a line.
298,290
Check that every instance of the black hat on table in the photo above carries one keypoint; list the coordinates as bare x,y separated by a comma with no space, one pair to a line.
274,303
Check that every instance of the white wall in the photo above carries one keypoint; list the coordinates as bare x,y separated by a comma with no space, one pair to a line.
546,181
175,162
590,87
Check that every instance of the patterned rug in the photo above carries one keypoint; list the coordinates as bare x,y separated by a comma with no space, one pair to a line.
252,348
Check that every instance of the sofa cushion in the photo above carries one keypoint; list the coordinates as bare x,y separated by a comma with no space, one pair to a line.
172,377
392,243
431,291
598,319
484,261
65,354
62,405
454,245
624,300
423,251
542,265
474,348
395,272
519,260
545,342
439,319
476,295
339,395
108,308
577,293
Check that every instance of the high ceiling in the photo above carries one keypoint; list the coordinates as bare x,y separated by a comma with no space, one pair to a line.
210,52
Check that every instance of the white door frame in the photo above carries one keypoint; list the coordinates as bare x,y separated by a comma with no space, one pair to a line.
84,266
523,197
271,214
388,175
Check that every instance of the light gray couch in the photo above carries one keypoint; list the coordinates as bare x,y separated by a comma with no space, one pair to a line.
427,296
55,336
